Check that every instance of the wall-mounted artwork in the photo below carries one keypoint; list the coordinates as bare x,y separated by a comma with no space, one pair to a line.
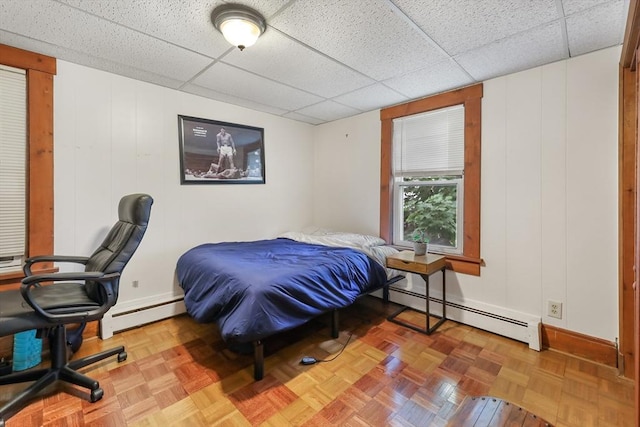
213,152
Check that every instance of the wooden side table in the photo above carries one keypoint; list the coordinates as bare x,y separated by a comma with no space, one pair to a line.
425,266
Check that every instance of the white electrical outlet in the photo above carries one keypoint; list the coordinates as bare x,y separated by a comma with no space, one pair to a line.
554,309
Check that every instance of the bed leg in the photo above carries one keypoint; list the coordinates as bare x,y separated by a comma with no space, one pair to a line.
335,332
385,294
258,360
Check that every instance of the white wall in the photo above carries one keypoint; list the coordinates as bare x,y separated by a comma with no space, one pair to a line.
347,171
549,184
548,192
115,136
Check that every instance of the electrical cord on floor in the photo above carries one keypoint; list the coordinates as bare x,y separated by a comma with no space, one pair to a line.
308,360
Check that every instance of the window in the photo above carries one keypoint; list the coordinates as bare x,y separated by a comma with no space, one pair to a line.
430,175
13,148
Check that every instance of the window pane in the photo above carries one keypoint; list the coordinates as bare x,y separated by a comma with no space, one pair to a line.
432,205
429,142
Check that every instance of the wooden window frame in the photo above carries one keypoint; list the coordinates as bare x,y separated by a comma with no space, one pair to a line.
471,97
40,70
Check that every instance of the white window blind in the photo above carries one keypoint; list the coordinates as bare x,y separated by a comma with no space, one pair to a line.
13,155
429,143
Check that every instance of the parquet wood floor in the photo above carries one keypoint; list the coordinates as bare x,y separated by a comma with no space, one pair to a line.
180,373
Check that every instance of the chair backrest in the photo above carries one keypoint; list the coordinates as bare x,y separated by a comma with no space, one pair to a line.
122,240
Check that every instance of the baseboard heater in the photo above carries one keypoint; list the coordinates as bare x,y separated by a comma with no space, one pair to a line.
130,316
513,324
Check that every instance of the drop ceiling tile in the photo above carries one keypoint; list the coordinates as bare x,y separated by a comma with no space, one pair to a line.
79,58
458,26
303,118
371,97
366,36
328,111
230,99
592,29
49,22
159,18
443,76
280,58
359,53
234,81
574,6
526,50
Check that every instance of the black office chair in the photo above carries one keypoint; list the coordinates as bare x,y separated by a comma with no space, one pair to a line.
71,298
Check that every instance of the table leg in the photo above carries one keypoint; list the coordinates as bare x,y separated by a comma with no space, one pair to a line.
428,330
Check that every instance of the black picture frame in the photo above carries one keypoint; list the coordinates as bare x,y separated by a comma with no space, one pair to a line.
211,155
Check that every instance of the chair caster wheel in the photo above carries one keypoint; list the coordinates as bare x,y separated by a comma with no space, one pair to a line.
1,422
95,395
121,358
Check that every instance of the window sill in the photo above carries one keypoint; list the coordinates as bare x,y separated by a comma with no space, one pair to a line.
464,265
457,263
12,279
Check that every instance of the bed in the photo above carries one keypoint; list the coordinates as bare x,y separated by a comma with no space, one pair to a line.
256,289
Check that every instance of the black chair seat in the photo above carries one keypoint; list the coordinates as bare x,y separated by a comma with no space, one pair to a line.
16,315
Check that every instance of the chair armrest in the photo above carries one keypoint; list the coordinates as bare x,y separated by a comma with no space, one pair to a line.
105,280
60,277
52,258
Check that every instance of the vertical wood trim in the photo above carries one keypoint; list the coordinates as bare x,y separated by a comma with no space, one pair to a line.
472,154
636,358
631,34
40,131
636,255
627,208
386,193
630,254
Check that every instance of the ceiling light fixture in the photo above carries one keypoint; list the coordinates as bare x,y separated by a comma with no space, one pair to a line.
239,24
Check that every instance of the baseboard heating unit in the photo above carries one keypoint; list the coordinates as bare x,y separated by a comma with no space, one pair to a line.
517,325
139,312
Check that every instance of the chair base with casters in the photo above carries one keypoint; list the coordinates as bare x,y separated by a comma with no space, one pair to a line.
60,370
50,302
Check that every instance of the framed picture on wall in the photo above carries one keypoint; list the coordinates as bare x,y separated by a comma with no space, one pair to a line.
214,152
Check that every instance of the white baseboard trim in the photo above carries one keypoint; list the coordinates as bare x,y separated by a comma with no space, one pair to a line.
140,312
517,325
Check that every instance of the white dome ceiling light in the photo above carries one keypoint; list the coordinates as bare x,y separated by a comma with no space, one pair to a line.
239,24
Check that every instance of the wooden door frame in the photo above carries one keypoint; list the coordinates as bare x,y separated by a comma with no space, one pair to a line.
629,204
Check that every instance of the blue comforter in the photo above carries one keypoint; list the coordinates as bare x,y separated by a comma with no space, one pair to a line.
255,289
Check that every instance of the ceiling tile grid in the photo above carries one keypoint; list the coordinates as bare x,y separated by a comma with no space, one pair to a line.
595,28
319,60
459,26
282,59
328,111
432,79
371,97
232,99
365,35
69,28
185,24
235,81
525,50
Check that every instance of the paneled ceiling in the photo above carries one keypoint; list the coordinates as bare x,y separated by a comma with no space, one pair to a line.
319,60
